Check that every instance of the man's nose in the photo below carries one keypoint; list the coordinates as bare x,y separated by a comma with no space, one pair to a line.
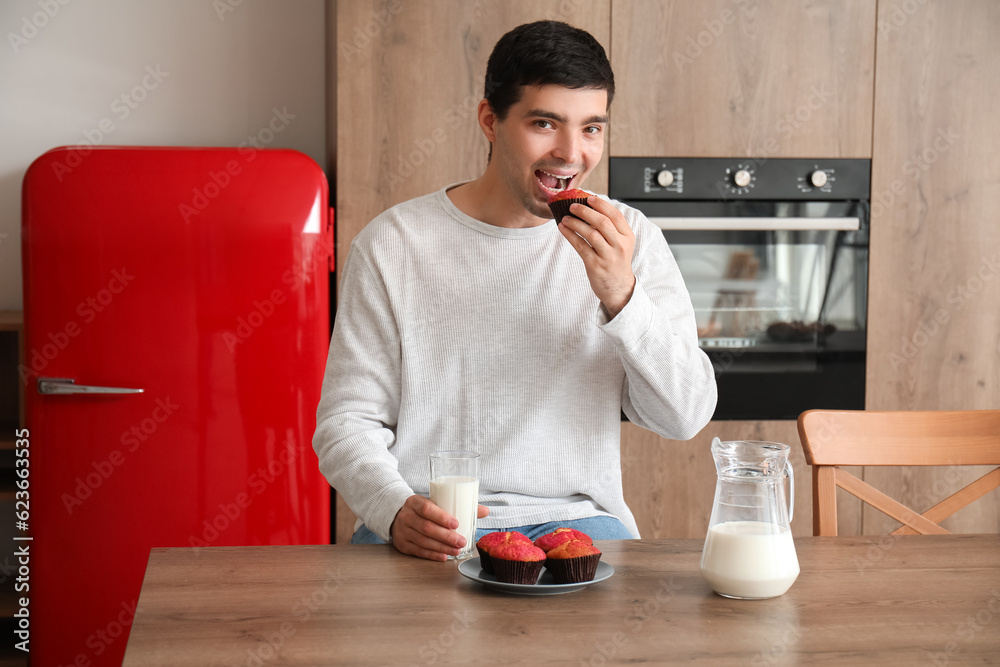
569,147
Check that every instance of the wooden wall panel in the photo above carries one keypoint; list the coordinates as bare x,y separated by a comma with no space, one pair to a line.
743,78
409,76
934,320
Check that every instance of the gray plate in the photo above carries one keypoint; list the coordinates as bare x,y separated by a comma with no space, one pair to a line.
471,569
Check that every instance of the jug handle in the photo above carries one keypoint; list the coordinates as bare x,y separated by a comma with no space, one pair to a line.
791,490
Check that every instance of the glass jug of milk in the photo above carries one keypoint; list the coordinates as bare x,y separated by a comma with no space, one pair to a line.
749,553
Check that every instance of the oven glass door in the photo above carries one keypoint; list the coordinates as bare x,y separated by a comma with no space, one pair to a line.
781,314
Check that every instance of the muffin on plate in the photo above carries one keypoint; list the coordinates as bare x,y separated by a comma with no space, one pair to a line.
573,562
560,535
560,202
491,540
517,562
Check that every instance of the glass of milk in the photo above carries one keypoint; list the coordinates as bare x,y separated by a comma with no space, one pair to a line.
455,489
749,553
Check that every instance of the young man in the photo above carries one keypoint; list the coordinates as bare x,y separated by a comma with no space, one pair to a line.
468,319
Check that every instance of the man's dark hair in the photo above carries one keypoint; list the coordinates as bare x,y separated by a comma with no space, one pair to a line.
544,53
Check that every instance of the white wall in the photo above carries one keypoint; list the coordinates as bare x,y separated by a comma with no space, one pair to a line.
222,68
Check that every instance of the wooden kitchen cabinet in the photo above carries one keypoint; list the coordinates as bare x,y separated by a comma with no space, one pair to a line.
934,294
743,78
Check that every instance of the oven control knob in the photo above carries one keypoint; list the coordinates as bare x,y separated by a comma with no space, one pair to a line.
818,178
741,178
665,178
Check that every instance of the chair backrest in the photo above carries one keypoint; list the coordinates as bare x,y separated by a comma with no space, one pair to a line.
833,438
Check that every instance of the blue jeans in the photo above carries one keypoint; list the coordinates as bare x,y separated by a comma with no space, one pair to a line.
598,527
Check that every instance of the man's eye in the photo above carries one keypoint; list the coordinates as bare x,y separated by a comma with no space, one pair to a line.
593,129
544,124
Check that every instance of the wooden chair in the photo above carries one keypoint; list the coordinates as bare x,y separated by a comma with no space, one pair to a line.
833,438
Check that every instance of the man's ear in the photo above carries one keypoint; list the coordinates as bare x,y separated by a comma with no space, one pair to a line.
487,120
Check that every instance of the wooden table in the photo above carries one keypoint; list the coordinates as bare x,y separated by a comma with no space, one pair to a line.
912,600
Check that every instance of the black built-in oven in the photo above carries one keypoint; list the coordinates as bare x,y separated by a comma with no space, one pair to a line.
774,253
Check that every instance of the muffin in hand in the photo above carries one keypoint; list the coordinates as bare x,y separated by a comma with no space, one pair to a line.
560,202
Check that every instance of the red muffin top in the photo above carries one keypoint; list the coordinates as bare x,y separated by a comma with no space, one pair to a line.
569,194
573,549
522,551
491,540
559,536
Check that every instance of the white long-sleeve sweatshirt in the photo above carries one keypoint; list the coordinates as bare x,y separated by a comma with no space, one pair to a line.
452,333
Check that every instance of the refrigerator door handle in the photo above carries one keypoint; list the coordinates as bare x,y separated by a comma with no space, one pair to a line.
69,386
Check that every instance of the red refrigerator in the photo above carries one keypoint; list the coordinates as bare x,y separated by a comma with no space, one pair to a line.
177,325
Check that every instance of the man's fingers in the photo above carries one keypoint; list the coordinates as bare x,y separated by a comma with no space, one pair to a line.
428,510
482,512
566,228
412,548
616,217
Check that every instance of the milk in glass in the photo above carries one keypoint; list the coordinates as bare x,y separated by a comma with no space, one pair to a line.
458,495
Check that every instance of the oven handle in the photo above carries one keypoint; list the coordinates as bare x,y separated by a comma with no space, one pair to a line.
739,223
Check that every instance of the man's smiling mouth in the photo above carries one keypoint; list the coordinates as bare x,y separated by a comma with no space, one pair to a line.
553,183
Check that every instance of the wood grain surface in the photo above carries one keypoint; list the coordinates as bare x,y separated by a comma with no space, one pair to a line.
895,601
935,264
743,78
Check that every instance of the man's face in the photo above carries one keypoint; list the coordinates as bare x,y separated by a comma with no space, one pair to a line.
550,141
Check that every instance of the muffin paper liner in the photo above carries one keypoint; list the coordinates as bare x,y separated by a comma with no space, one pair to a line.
573,570
517,571
561,208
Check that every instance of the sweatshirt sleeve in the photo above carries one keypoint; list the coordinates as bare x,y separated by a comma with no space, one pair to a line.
669,381
359,405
